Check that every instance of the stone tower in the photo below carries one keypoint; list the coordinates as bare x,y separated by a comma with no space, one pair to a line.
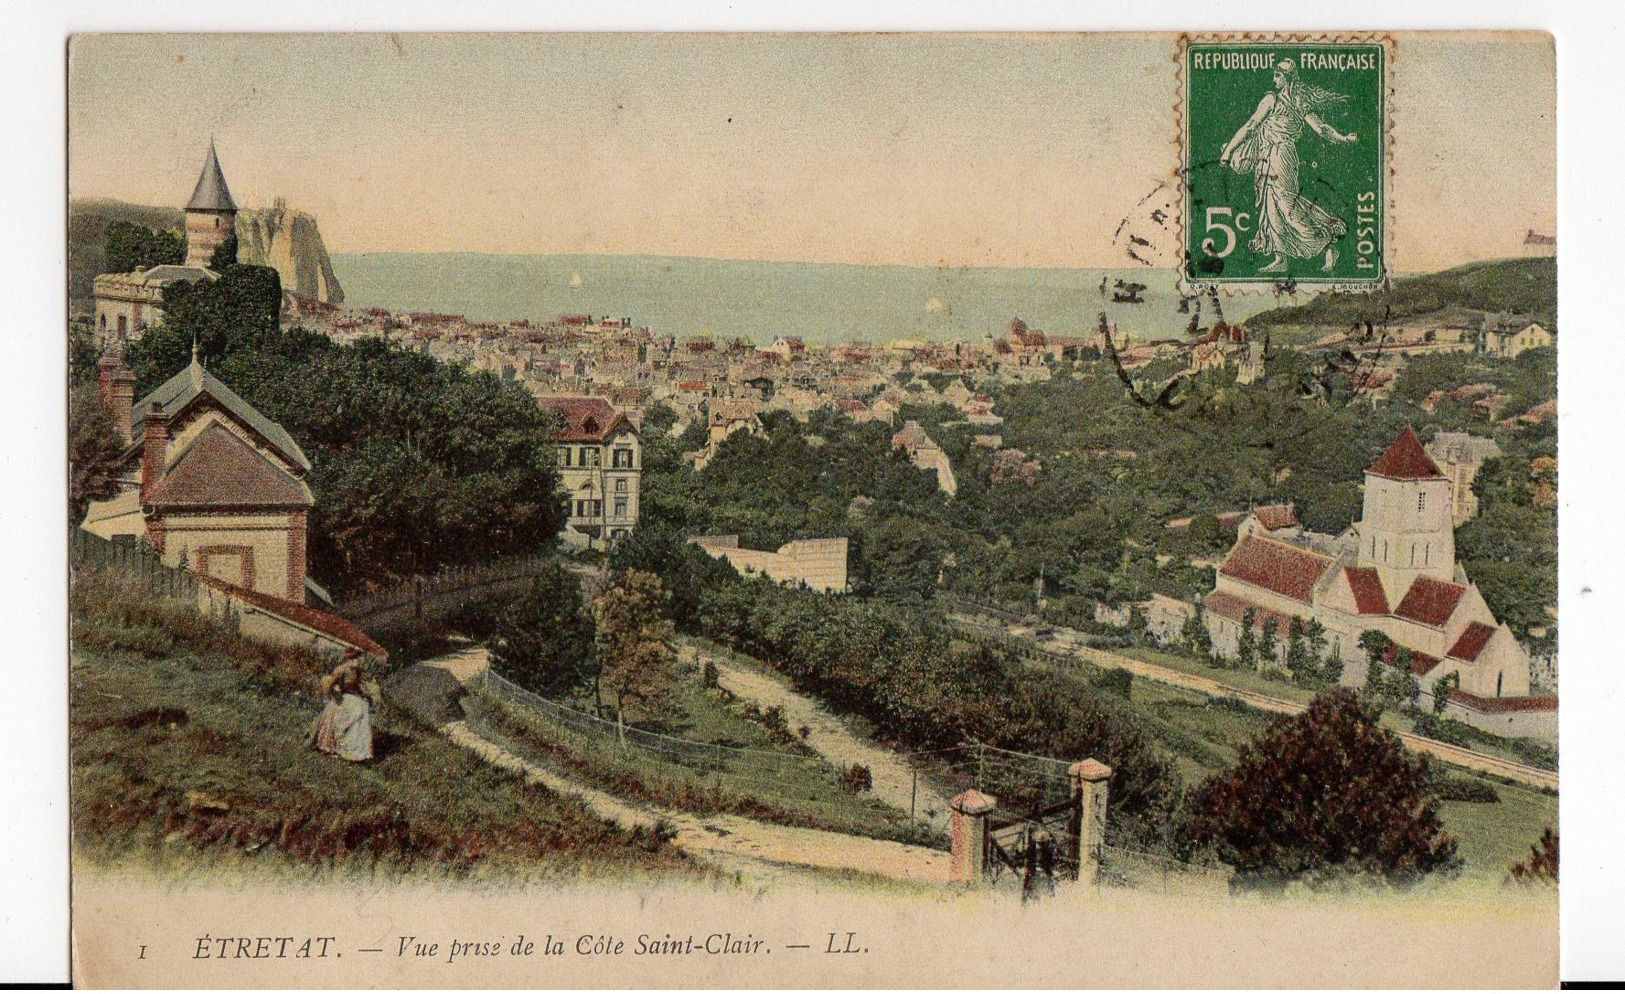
211,214
1405,528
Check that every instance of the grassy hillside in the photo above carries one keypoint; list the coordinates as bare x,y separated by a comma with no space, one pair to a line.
188,752
1519,286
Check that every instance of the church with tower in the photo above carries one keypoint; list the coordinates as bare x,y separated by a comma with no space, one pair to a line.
127,304
1394,571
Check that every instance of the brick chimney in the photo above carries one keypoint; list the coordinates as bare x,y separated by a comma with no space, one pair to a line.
118,391
154,449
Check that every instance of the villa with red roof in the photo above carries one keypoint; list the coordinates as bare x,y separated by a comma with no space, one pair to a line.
600,467
1393,571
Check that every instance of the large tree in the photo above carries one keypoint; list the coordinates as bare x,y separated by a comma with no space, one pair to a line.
128,247
93,450
417,464
634,642
544,640
1326,793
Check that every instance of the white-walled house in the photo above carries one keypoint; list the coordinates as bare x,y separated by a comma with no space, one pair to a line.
1393,571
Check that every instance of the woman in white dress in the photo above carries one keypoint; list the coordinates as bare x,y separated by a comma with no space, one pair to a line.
1289,224
344,728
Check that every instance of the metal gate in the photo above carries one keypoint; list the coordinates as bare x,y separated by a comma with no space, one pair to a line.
1036,848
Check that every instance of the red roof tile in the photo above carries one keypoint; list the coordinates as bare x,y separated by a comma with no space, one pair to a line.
1430,601
1471,642
1235,608
1276,516
1285,569
219,469
332,625
1503,705
1367,587
1406,460
586,419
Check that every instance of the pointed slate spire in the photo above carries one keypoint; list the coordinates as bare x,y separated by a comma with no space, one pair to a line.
211,193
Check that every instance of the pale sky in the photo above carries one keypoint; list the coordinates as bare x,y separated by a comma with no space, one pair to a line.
919,150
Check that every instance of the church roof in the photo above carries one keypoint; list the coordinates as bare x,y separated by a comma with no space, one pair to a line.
180,390
218,469
1471,642
1406,460
211,193
1234,608
1367,587
1430,601
1285,569
1276,516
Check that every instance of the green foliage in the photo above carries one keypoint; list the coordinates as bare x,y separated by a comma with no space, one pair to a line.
1323,794
543,641
128,247
1115,681
93,451
1519,286
1441,691
633,644
1194,637
897,667
417,464
1472,790
1541,866
1268,641
1247,641
83,355
238,311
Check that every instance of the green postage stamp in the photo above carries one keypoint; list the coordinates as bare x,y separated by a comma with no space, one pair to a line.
1285,160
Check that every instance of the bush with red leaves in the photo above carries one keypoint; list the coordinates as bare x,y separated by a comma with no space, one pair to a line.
1325,794
1541,866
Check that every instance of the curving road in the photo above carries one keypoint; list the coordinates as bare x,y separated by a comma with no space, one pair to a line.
1534,776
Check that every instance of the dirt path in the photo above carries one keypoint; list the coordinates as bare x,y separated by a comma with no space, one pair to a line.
1468,758
730,842
893,779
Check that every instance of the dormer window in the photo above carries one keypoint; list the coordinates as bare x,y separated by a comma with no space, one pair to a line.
590,426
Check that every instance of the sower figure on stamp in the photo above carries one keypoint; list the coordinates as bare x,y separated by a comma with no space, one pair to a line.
1289,224
344,728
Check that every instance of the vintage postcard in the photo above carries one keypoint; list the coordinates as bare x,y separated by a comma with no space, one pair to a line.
813,510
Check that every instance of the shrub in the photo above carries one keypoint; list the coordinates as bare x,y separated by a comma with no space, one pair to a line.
858,779
1541,866
1470,789
711,675
1115,681
1443,729
1327,792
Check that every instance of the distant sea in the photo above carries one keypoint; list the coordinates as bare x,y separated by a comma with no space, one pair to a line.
818,302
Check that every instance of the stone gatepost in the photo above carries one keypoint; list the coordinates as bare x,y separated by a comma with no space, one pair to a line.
967,824
1090,779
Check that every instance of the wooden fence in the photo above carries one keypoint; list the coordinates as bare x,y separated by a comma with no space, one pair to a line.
430,598
134,560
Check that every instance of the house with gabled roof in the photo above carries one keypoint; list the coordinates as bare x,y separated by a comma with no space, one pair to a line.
216,487
600,460
208,481
1394,571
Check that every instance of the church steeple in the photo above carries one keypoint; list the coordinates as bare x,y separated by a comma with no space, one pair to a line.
211,214
1405,529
